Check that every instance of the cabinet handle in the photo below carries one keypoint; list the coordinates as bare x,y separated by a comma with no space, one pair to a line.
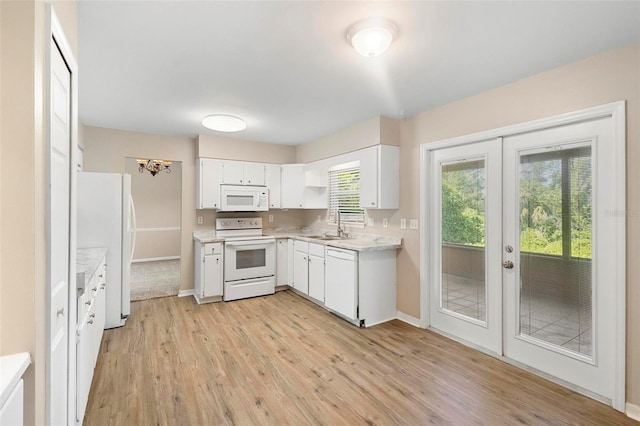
101,275
87,303
90,321
240,180
373,203
94,289
248,181
60,312
92,316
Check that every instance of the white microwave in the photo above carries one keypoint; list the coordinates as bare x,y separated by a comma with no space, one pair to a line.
236,198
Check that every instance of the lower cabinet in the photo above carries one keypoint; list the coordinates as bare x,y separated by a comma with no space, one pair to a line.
208,272
308,269
282,262
91,322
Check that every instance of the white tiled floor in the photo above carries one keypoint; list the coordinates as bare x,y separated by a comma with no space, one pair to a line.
560,323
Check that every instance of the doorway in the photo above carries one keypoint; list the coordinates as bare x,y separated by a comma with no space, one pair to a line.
526,257
155,267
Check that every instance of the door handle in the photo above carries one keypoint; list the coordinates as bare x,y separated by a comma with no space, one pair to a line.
507,264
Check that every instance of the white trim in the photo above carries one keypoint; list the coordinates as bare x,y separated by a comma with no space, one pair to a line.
154,259
633,411
408,319
185,293
615,110
173,228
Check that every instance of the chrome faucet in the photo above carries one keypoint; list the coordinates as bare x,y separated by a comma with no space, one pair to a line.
340,231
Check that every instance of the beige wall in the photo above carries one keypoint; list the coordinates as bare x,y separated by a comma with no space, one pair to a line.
158,204
214,146
24,46
375,131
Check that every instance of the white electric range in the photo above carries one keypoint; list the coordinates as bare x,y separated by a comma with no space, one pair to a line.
249,258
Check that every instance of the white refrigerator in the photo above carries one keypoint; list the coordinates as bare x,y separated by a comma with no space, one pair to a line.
106,218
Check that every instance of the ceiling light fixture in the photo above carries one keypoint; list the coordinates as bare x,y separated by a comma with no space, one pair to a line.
372,36
224,123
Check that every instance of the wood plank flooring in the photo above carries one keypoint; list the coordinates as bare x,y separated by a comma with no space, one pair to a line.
281,360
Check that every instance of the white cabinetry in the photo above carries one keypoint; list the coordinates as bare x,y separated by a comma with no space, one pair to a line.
282,262
209,177
380,177
293,184
12,368
273,172
243,173
308,269
301,266
91,322
316,271
208,272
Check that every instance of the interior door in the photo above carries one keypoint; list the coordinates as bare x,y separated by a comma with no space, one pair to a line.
58,237
465,229
560,253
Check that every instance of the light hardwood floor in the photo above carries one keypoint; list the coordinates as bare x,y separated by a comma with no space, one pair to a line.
282,360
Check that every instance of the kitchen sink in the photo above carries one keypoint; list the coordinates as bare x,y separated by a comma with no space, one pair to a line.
324,237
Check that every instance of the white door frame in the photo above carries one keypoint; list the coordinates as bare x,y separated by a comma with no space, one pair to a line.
615,110
55,31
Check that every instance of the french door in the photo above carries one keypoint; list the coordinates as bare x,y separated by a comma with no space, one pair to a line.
524,249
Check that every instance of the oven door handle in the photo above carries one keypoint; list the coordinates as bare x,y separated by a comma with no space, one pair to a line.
249,243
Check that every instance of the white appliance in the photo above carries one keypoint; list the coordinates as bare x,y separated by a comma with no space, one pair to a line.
237,198
249,258
106,218
341,282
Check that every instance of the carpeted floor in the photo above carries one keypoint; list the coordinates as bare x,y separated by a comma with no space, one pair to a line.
155,279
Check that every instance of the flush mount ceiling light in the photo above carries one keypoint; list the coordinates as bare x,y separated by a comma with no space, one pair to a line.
224,123
372,36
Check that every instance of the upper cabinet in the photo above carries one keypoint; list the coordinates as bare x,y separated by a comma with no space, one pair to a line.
292,186
243,173
208,178
380,177
273,179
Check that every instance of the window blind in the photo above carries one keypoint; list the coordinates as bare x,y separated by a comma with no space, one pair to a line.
344,195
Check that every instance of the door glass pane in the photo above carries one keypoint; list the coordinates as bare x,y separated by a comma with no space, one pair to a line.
463,239
555,248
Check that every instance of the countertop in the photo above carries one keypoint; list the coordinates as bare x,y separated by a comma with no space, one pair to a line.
12,367
357,242
87,263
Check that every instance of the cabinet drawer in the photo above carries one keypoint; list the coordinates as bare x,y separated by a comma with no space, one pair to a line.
212,248
301,246
316,249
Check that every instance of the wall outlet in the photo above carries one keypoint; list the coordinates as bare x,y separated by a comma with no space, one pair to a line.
370,221
385,223
403,223
270,218
413,224
200,220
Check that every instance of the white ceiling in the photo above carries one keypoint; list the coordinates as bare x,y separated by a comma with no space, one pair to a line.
286,68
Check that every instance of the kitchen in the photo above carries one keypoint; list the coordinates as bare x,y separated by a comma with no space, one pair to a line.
612,69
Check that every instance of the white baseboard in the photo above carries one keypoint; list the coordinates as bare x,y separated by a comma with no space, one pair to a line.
632,411
154,259
408,319
184,293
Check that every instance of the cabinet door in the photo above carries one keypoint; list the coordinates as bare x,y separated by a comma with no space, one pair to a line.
233,172
273,183
301,272
292,186
212,285
254,174
282,265
316,277
369,177
209,183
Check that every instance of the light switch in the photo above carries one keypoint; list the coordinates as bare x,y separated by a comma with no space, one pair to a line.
385,223
270,218
200,220
413,224
370,221
403,223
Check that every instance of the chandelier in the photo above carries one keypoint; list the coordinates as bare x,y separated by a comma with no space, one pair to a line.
153,166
